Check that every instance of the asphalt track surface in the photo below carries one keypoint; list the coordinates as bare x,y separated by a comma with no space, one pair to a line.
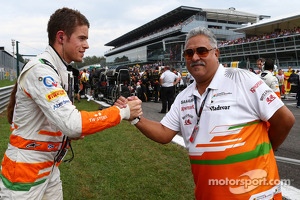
288,154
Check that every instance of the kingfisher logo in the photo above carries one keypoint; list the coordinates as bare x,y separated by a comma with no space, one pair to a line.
187,119
270,98
187,122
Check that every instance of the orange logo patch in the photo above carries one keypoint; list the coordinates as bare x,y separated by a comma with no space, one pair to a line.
55,94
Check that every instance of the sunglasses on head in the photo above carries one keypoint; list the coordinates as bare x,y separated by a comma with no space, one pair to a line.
201,52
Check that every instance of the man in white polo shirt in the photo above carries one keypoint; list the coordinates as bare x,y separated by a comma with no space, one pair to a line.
167,81
231,123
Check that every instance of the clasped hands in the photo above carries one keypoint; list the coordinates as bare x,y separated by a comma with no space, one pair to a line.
134,103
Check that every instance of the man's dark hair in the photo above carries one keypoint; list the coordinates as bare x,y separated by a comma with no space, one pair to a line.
269,64
65,19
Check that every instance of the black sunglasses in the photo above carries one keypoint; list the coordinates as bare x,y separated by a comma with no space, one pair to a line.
201,52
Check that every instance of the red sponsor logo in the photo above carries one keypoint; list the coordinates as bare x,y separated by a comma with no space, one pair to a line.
270,98
187,122
187,107
253,89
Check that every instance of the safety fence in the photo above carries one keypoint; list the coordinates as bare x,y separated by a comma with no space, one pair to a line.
4,96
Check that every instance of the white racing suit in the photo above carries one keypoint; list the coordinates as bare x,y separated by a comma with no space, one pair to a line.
43,115
271,80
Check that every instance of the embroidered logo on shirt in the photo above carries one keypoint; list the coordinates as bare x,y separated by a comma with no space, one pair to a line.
253,89
55,94
98,117
32,145
187,119
48,81
265,94
187,122
186,101
60,104
214,108
270,98
188,107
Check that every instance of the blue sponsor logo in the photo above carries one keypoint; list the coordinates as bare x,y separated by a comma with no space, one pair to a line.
49,82
60,104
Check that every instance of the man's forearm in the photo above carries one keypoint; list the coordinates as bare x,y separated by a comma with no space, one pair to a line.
277,136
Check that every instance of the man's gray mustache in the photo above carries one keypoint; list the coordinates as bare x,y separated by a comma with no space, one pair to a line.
197,63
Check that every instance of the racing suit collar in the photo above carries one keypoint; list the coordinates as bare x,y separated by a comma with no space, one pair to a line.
68,65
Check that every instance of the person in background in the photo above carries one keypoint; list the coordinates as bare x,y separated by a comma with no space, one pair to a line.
180,83
189,79
92,84
168,81
43,118
268,77
294,81
156,85
260,65
231,123
145,86
83,80
280,76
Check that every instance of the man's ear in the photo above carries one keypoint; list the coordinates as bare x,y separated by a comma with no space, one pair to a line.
217,53
60,36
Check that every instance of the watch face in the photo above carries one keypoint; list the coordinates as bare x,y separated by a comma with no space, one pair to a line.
136,120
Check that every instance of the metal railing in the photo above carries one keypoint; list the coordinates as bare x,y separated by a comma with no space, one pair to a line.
4,96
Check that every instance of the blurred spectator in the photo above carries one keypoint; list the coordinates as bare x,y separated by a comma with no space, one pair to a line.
268,77
280,77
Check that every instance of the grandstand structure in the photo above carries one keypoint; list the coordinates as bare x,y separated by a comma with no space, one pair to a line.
161,41
277,38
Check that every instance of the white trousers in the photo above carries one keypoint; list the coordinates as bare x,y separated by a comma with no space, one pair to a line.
51,189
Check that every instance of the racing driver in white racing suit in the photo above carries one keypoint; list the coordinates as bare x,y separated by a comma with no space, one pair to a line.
269,78
43,116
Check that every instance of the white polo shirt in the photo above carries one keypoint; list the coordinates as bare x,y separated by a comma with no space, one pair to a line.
231,131
168,78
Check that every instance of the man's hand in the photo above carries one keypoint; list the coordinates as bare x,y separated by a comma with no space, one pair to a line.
134,103
121,102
